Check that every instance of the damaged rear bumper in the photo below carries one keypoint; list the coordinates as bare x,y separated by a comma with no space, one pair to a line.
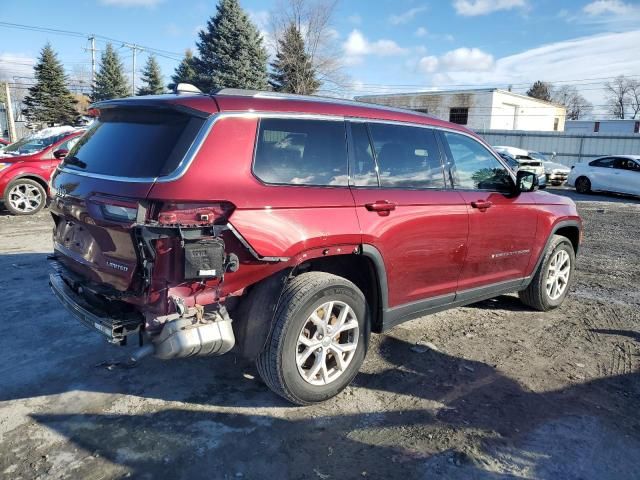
115,330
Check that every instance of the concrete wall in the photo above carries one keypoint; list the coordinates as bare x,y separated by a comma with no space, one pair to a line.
606,126
570,148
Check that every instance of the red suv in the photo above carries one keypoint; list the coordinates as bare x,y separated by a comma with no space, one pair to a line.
27,165
289,228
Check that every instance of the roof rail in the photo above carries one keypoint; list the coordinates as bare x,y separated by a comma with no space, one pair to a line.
310,98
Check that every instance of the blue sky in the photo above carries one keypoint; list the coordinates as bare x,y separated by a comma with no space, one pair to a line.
399,45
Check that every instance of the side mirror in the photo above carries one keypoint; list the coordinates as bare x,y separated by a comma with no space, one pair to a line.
59,154
526,181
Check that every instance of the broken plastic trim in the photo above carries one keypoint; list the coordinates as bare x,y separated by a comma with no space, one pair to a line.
250,248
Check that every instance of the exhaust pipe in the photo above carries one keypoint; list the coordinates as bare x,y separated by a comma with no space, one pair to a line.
142,352
190,336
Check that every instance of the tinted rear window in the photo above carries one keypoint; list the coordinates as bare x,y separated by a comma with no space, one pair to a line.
134,143
302,152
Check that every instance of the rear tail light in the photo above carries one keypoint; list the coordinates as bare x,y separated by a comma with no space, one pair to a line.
195,213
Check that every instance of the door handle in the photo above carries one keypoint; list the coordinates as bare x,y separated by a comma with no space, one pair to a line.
481,204
383,207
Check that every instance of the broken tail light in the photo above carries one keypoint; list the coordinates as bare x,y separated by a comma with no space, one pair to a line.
195,213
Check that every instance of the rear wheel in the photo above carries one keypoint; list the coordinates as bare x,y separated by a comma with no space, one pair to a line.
318,341
583,185
24,197
551,283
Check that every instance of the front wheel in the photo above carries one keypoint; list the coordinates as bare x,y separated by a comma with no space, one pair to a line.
552,280
24,197
318,341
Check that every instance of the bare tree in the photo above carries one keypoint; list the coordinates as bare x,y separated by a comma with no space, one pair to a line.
577,106
634,98
618,94
313,19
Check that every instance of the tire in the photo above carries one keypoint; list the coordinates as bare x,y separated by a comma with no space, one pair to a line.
302,298
583,185
537,294
24,197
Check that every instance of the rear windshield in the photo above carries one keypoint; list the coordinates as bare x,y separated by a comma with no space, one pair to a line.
134,143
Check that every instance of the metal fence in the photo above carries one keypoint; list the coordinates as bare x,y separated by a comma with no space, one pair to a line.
570,148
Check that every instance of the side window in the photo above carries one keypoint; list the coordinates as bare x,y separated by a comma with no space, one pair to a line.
603,162
364,172
473,166
301,152
407,157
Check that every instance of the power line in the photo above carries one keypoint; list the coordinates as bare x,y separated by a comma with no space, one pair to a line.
159,52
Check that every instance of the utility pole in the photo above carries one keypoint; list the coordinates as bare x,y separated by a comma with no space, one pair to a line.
93,60
134,48
10,119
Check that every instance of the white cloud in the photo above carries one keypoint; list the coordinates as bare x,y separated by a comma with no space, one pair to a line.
467,60
131,3
472,8
357,46
614,7
406,17
428,64
421,32
596,56
15,65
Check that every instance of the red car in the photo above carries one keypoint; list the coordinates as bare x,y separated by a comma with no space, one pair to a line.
3,142
27,165
289,228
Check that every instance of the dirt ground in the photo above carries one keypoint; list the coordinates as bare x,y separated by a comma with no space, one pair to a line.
489,391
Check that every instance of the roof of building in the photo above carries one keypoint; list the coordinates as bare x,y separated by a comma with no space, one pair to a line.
455,92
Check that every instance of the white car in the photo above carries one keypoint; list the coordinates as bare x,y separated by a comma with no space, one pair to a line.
618,174
526,162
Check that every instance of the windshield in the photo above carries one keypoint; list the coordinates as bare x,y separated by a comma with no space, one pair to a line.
38,141
140,143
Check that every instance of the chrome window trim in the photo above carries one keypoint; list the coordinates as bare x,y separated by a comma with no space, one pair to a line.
202,135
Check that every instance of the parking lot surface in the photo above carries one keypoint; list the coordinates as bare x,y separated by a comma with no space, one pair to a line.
493,390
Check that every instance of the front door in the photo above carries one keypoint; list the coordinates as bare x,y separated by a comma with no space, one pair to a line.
502,227
406,212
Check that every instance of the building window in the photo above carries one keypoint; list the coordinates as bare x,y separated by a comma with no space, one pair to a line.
421,110
556,124
596,127
459,115
636,127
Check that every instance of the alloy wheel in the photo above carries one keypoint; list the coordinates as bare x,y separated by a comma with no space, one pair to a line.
558,274
327,343
25,198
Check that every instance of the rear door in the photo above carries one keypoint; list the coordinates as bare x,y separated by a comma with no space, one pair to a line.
502,228
405,211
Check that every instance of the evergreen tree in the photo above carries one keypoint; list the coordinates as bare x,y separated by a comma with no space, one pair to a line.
110,79
49,100
230,51
185,73
151,78
292,70
541,91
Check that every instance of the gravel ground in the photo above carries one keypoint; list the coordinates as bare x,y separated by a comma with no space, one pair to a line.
489,391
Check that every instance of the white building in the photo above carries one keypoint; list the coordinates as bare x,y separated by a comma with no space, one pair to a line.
480,109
